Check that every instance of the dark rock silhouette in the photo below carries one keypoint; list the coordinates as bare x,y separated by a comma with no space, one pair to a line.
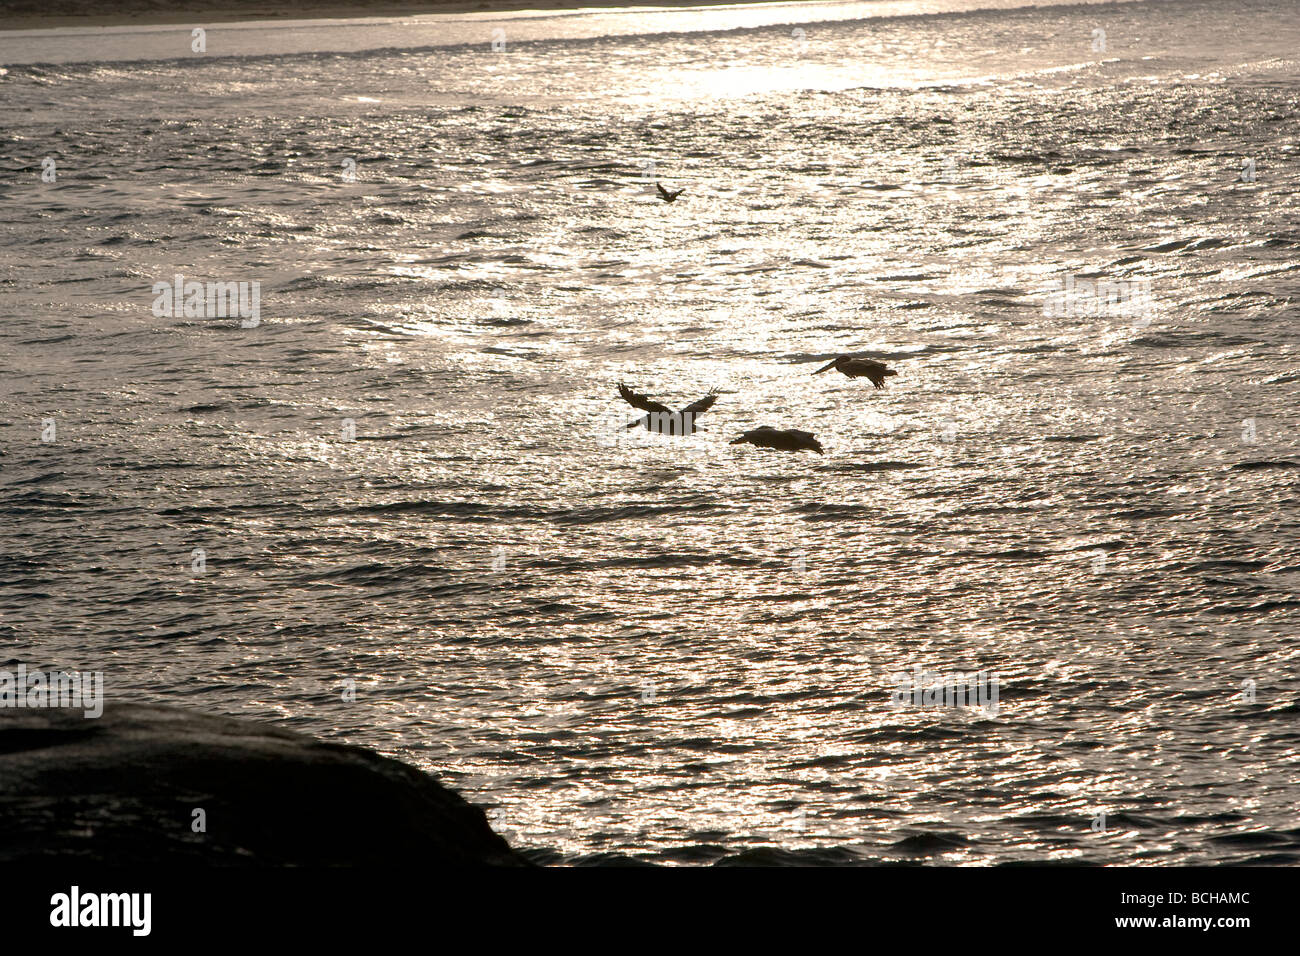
121,789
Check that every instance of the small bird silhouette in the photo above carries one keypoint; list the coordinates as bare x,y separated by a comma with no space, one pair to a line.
665,195
663,419
857,367
782,439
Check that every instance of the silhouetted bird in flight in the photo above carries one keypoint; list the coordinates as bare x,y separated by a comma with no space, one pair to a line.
665,195
857,367
663,419
782,439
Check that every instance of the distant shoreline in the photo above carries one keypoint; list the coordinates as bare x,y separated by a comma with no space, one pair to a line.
53,14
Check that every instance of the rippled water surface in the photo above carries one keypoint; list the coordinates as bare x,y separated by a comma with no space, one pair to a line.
678,650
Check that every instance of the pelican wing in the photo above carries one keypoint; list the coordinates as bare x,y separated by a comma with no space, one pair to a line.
663,192
642,402
875,371
701,406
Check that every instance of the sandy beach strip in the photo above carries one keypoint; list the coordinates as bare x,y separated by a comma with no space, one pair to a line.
51,14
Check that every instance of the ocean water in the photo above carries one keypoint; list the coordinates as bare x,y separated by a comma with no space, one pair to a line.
410,479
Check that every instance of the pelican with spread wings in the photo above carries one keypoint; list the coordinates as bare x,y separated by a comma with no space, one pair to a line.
661,418
859,367
782,439
668,196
